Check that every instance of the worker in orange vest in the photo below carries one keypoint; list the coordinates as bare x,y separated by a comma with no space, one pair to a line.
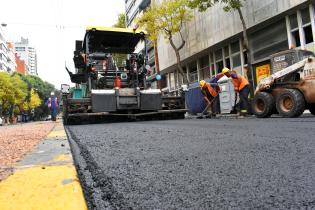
210,95
241,86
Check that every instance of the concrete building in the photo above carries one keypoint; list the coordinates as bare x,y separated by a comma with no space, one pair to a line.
11,63
20,65
3,50
134,8
7,58
214,38
28,54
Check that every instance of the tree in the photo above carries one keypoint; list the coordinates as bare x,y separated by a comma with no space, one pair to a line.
40,88
121,21
33,102
13,92
6,93
148,21
168,19
120,59
229,5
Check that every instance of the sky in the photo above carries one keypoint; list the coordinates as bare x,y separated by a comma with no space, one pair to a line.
52,26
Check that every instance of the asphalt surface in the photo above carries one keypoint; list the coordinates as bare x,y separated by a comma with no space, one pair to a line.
197,164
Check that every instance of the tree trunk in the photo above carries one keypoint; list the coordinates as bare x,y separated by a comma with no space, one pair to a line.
178,61
157,63
247,47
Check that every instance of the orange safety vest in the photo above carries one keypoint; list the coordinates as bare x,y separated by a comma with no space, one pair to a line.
210,89
239,82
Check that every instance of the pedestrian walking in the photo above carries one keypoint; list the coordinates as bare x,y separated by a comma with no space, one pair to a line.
53,105
241,86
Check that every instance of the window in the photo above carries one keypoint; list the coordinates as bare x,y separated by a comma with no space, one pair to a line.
308,34
293,22
296,38
218,55
220,66
228,63
307,28
204,65
219,60
245,57
212,70
235,47
236,54
227,57
303,27
305,13
20,49
193,73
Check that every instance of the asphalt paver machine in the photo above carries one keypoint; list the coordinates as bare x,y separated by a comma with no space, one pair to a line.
110,80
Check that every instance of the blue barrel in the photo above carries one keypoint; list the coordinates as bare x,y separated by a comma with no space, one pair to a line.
195,99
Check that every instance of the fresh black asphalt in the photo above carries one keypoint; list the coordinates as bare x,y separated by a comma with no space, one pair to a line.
197,164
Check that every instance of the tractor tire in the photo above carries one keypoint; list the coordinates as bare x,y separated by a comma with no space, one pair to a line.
263,105
290,103
312,108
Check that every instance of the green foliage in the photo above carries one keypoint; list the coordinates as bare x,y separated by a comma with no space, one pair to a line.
6,93
20,89
23,93
13,92
149,22
167,19
229,5
121,21
43,88
33,102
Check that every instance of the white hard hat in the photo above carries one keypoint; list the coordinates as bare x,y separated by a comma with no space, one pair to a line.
52,93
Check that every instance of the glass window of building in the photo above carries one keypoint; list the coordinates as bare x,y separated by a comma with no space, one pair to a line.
219,60
218,55
193,73
295,36
227,57
293,22
307,26
205,69
212,70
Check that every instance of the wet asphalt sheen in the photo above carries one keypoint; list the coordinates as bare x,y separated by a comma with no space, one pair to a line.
197,164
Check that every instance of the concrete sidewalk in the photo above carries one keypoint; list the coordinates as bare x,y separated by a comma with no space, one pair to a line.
45,179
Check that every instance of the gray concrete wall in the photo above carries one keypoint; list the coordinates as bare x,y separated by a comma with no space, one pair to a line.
213,26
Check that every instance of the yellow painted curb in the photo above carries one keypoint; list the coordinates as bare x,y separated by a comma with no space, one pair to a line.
57,133
47,188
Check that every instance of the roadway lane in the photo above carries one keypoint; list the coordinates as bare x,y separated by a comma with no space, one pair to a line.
197,164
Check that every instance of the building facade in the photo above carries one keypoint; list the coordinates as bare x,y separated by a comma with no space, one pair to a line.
11,63
7,58
214,39
20,65
28,54
134,8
